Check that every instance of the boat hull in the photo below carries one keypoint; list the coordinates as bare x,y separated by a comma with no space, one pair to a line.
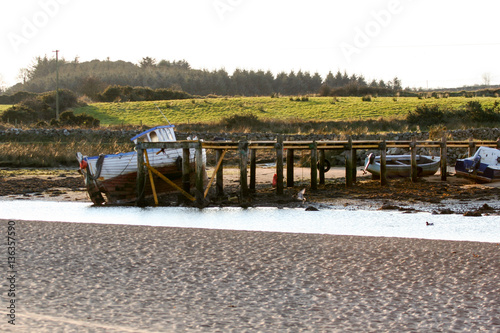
112,179
483,167
400,165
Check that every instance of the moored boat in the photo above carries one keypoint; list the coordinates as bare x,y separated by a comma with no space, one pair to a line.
484,166
400,165
112,178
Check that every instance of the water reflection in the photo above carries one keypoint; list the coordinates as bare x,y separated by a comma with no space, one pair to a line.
335,222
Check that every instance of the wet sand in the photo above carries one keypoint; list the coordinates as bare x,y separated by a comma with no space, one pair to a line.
76,277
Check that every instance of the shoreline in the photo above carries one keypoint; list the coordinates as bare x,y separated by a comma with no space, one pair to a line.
429,194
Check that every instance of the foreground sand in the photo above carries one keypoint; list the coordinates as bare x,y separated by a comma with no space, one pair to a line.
110,278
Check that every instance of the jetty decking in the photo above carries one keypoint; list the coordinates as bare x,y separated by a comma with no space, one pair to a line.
247,155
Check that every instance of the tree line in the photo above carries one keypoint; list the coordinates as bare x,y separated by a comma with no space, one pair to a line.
93,77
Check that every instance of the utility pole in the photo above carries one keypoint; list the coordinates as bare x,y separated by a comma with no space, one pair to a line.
57,84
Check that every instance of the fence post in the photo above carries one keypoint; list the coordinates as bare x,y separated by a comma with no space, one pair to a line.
289,167
253,166
199,174
472,147
219,182
322,167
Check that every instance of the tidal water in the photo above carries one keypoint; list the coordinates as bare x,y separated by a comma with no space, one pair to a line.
327,221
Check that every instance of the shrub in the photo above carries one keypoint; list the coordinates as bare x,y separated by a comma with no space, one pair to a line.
19,114
82,120
241,121
426,115
366,98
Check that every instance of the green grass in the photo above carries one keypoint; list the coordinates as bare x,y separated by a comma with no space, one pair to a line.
212,110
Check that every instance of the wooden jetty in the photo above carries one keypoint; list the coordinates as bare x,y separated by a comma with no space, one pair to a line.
247,153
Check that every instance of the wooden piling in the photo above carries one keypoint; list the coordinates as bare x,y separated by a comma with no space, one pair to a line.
186,170
354,164
314,162
141,177
472,147
243,152
279,164
322,167
348,163
199,174
253,166
443,153
383,163
413,152
289,167
219,181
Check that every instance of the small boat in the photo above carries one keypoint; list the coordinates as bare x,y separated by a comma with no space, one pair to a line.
400,165
484,166
111,179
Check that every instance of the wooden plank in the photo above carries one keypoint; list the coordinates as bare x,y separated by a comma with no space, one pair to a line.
322,167
171,183
219,183
348,163
216,170
243,152
151,180
253,167
444,155
383,163
186,171
200,175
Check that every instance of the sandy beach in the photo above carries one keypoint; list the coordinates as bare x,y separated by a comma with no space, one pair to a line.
101,278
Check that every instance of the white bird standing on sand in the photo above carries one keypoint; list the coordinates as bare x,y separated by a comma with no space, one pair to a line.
300,195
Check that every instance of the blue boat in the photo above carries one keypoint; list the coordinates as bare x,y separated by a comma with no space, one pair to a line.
483,167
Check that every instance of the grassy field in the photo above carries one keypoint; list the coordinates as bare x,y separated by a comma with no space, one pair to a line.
212,110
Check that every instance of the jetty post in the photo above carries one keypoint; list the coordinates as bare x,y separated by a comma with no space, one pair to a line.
348,163
472,147
199,173
253,169
322,167
243,152
443,153
383,163
186,169
279,164
413,153
219,182
314,162
289,167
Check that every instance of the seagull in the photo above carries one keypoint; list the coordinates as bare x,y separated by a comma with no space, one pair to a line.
429,223
300,195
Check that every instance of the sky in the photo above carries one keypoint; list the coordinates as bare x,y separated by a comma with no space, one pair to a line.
428,44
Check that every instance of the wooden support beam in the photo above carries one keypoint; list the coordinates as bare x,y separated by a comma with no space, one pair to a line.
322,167
243,152
314,162
289,167
186,171
279,164
171,183
383,163
354,164
151,180
413,153
141,177
219,182
216,170
200,175
348,163
253,167
443,155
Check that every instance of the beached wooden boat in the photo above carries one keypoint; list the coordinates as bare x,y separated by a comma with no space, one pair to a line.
400,165
112,179
484,166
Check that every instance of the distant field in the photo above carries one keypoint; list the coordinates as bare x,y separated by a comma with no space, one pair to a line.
212,110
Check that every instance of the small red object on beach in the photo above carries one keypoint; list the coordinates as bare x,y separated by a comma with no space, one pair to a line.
275,180
83,164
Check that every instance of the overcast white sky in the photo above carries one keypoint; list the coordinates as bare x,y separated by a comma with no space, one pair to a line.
434,43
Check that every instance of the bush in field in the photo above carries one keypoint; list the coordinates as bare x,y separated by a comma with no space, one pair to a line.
137,94
82,120
238,121
67,99
19,114
366,98
426,115
474,112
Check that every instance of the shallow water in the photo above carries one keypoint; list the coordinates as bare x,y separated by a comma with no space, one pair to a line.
328,221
